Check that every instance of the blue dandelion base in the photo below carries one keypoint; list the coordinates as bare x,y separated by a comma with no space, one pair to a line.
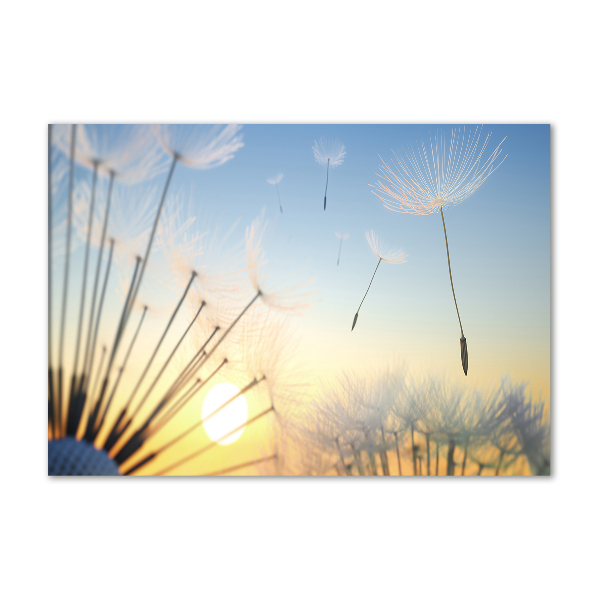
69,456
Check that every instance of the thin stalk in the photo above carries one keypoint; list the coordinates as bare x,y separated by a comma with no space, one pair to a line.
279,198
356,315
250,463
480,468
83,293
463,341
160,373
450,271
50,361
253,383
450,464
66,280
358,459
500,461
136,441
337,441
93,431
151,240
326,184
96,380
157,348
112,436
206,448
85,382
384,464
191,369
412,438
340,252
398,454
464,462
205,359
85,266
427,435
437,457
86,362
185,399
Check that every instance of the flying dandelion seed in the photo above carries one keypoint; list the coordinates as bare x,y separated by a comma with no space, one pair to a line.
329,153
274,181
341,237
435,178
384,254
125,411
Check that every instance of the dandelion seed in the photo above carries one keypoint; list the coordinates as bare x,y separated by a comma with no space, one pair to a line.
435,178
341,237
274,181
329,153
384,254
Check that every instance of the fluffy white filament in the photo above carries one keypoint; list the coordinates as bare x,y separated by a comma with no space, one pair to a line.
442,174
382,251
329,151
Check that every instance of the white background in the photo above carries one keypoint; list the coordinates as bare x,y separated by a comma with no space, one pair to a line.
342,62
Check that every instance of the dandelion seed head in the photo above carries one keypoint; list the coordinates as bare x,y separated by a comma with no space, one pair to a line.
200,146
131,152
382,251
275,180
329,151
342,236
437,175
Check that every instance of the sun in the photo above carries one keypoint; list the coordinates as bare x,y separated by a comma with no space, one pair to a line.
234,415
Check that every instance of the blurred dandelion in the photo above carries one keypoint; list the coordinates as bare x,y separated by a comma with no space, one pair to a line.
393,423
274,181
341,237
329,153
437,177
130,405
385,254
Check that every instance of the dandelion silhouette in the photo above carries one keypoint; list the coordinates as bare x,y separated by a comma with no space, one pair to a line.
384,254
426,180
98,427
274,181
341,237
329,153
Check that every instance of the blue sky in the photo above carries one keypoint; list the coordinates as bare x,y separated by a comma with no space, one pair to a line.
499,241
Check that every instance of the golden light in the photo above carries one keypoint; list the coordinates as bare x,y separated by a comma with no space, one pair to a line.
228,419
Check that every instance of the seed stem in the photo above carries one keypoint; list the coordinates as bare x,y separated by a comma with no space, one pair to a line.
356,315
65,281
450,271
326,184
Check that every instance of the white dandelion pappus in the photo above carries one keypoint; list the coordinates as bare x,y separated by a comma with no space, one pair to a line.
438,177
329,153
385,254
383,251
130,153
200,146
274,181
341,237
443,175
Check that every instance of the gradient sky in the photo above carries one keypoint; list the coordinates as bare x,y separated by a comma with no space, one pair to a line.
499,241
